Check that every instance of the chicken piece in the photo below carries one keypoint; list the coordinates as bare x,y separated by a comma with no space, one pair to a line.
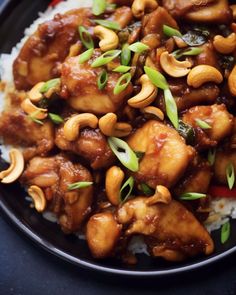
172,231
223,159
219,119
123,16
80,82
91,145
102,233
208,56
53,175
18,129
153,23
48,47
164,149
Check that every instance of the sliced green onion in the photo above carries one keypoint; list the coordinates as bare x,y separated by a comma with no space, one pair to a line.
170,32
192,196
140,155
86,55
187,132
35,120
85,37
202,124
211,156
125,55
49,84
146,189
187,52
122,83
230,174
124,153
78,185
105,58
156,78
99,7
171,108
138,47
122,69
111,6
124,194
225,232
56,119
108,24
102,80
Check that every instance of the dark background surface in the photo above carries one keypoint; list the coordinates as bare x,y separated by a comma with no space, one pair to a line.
26,269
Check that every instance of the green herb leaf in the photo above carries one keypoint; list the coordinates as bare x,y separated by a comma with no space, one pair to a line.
192,196
156,78
122,83
187,132
102,80
138,47
122,69
225,232
86,38
170,32
146,189
230,174
191,51
99,7
86,55
105,58
50,84
194,38
202,124
171,108
124,194
125,55
211,156
124,153
78,185
56,119
108,24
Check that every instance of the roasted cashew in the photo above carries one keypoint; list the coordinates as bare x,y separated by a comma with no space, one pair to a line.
146,96
225,45
109,126
232,81
109,39
140,6
162,195
38,197
29,108
114,179
75,49
34,94
73,125
154,111
16,168
202,74
173,67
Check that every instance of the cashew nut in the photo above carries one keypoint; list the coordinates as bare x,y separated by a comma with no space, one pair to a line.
173,67
162,195
233,7
75,49
179,42
109,126
109,39
75,123
16,168
146,96
154,111
202,74
140,6
225,45
114,179
38,197
34,94
232,81
29,108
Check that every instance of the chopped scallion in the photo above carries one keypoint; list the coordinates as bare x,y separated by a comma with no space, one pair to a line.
108,24
122,69
225,232
122,83
211,156
102,80
105,58
99,7
78,185
56,119
86,55
156,78
138,47
125,55
202,124
86,38
126,189
50,84
35,120
230,174
191,51
171,108
192,196
146,189
170,32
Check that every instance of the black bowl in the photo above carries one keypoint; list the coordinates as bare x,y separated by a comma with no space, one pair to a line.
16,16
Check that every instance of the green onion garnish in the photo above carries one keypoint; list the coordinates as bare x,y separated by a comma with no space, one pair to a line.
171,108
86,55
122,83
56,119
49,84
187,132
124,194
192,196
111,6
125,55
146,189
105,58
138,47
78,185
211,156
202,124
230,174
140,155
187,52
225,232
102,79
122,69
35,120
85,37
124,153
108,24
170,32
157,78
99,7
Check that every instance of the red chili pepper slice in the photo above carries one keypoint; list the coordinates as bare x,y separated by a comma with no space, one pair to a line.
222,191
54,2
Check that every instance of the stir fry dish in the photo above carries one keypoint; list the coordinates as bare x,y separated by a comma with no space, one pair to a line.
121,122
